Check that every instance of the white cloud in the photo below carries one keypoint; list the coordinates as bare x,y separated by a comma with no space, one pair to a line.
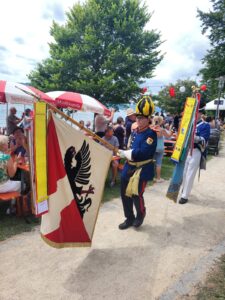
25,25
184,44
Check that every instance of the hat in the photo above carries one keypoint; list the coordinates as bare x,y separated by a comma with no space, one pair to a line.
157,120
145,106
130,112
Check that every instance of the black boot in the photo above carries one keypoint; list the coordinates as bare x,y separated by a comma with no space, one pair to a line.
183,200
138,221
126,224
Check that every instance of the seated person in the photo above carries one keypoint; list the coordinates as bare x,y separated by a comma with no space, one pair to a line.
8,168
111,139
18,142
18,146
167,128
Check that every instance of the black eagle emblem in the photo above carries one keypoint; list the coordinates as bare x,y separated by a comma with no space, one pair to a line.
79,174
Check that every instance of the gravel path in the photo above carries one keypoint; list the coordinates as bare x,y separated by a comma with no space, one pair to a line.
149,263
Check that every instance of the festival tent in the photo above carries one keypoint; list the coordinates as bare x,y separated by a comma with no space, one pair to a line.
212,105
10,92
79,102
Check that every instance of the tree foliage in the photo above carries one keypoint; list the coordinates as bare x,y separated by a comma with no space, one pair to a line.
213,24
102,50
175,104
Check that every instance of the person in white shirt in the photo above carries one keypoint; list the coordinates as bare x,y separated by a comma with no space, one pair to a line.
101,123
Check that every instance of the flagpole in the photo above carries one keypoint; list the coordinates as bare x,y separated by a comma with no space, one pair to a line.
95,136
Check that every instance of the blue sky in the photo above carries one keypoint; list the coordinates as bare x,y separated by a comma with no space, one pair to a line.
25,26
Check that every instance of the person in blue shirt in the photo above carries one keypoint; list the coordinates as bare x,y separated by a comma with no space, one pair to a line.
193,160
139,167
18,142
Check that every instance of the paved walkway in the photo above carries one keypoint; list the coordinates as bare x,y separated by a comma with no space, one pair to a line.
148,263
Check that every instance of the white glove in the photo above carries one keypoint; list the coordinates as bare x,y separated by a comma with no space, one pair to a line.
121,154
125,154
197,139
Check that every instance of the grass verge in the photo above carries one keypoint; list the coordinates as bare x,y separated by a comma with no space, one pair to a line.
12,225
214,286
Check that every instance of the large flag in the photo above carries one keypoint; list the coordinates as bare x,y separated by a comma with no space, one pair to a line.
77,169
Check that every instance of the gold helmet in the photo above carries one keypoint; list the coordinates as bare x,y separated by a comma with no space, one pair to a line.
145,106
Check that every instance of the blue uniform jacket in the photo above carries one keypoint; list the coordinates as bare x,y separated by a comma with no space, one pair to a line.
143,145
203,130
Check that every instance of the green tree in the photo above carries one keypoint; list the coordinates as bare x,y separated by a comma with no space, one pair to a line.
103,50
175,104
213,24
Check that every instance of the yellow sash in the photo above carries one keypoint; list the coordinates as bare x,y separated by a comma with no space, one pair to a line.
132,187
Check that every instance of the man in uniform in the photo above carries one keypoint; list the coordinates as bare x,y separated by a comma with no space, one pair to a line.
193,160
139,167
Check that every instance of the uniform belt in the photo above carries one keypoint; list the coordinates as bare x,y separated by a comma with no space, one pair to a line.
139,164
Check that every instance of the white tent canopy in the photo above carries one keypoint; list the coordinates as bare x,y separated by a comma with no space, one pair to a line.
212,105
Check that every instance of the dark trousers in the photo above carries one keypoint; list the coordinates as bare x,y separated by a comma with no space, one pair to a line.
137,201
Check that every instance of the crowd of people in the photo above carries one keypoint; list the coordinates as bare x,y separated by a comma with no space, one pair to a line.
118,135
14,149
13,152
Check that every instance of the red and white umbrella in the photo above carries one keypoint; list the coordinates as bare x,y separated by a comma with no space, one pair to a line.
78,102
9,93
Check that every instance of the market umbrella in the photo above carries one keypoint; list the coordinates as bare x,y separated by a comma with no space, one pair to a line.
78,101
10,92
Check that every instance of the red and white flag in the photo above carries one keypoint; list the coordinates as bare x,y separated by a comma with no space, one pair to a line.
77,169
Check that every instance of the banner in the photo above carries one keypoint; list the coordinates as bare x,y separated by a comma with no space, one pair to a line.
187,118
77,169
38,159
40,123
183,144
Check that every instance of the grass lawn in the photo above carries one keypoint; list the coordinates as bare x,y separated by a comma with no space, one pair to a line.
214,286
11,225
167,168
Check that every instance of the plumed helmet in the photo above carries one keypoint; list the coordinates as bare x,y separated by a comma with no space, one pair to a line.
145,106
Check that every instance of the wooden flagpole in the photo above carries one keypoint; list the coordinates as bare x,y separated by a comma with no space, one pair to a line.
95,136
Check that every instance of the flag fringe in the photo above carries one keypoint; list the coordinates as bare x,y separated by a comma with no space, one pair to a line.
64,245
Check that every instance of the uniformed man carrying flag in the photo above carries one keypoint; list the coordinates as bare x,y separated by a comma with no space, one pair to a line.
194,159
139,167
